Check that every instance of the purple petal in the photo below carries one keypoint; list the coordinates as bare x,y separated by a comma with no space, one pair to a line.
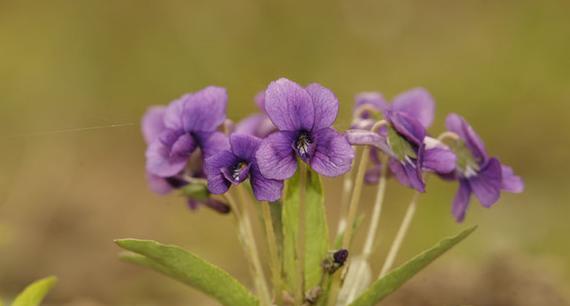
458,125
218,206
511,182
213,165
205,110
407,174
265,189
333,154
408,127
169,154
461,201
416,103
487,183
158,184
275,156
440,160
244,146
289,106
153,123
374,99
173,114
361,137
325,105
258,125
212,142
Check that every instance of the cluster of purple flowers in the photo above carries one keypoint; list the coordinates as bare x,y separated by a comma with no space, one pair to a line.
186,146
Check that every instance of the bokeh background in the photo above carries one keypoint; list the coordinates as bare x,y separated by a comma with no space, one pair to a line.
68,189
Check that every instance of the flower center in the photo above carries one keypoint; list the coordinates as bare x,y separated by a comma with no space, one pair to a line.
304,145
237,170
236,173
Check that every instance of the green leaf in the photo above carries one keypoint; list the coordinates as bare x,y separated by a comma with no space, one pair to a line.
399,145
316,230
35,292
388,284
187,268
290,221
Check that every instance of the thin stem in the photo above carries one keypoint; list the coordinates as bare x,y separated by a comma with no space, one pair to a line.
247,239
352,211
395,247
344,200
373,228
273,254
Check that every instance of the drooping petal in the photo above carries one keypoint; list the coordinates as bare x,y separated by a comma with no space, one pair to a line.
212,142
169,154
486,185
458,125
407,174
213,165
153,123
461,201
511,182
333,154
158,184
325,105
173,114
275,156
244,146
416,103
440,160
408,127
362,137
264,189
289,106
205,110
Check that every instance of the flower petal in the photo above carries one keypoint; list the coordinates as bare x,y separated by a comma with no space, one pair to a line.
325,105
511,182
487,183
275,156
212,142
258,125
173,114
205,110
244,146
461,201
416,103
213,165
264,189
440,160
374,99
289,106
408,127
362,137
407,174
153,123
458,125
158,184
169,154
333,154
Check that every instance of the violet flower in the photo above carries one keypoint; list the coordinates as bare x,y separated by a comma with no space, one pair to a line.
232,167
259,124
190,123
411,151
304,117
476,171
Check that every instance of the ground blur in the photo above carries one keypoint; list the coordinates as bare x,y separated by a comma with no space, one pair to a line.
65,194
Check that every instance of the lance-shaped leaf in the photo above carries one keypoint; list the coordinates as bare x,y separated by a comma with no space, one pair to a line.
35,292
388,284
290,222
187,268
316,230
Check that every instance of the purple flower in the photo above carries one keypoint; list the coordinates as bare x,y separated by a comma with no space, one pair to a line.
258,125
367,103
411,151
304,117
232,167
189,123
476,171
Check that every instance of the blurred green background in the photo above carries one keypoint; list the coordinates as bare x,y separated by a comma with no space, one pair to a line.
65,195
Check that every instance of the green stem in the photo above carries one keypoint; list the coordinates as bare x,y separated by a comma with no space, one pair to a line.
273,253
344,200
247,239
396,245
